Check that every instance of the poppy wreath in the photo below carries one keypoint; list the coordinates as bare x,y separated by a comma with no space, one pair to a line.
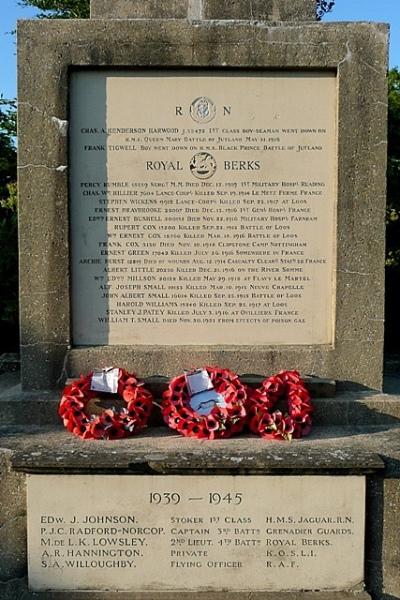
222,422
112,423
268,423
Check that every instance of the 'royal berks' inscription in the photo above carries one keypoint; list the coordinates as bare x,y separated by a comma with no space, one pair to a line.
203,207
199,533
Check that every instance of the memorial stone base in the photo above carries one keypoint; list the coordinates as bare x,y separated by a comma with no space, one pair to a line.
159,516
73,484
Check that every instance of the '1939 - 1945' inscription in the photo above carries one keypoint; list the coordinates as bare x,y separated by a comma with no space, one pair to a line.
216,530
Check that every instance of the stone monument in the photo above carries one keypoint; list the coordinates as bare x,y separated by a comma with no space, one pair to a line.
259,262
202,182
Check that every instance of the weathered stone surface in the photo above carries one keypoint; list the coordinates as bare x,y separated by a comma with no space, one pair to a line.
15,589
383,547
162,451
255,10
12,521
391,540
9,364
9,380
357,51
139,9
13,549
18,590
41,410
260,10
334,450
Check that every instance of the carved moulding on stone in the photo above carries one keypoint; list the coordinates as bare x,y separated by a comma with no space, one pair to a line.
356,352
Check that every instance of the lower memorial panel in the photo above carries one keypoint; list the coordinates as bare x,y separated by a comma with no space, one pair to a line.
195,533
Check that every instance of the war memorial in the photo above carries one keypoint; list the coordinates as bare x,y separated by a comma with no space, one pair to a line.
202,184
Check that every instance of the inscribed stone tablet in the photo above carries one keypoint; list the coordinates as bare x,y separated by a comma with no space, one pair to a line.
148,533
203,207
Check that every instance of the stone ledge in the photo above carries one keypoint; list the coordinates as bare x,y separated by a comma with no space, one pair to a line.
159,451
18,590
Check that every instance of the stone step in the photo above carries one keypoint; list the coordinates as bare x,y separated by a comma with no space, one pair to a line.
346,408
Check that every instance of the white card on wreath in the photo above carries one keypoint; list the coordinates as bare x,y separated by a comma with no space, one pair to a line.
198,381
105,380
203,397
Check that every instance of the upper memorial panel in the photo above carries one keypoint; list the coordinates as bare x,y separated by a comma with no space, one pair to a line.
203,207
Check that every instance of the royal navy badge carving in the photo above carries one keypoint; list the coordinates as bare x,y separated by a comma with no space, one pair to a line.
202,110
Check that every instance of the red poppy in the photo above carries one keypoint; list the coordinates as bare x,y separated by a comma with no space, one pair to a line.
111,423
223,421
270,424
